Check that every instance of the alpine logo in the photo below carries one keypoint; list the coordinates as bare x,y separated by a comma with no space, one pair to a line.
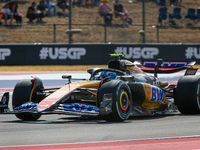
138,52
62,53
4,52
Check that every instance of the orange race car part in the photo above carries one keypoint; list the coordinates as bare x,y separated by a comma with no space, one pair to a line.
50,100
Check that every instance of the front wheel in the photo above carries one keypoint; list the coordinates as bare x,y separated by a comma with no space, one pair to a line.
26,91
122,100
188,95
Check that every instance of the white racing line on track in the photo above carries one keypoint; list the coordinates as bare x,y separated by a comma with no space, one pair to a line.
42,75
75,74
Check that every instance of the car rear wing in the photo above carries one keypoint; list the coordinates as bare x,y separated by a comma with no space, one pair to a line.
164,67
166,64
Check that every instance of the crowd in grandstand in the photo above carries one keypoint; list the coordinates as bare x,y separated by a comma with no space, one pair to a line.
10,11
106,11
43,9
37,11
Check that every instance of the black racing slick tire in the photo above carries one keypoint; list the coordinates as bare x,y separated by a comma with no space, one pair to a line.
187,95
25,91
122,100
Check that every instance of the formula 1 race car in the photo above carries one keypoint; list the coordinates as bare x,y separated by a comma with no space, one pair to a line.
114,93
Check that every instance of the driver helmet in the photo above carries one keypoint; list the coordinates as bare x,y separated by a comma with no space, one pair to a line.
107,74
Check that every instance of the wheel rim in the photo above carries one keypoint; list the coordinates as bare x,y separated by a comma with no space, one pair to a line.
124,101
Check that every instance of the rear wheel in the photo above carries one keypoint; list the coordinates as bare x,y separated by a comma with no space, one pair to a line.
122,100
25,91
188,95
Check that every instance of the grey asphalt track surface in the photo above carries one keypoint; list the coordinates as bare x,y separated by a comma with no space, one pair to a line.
53,129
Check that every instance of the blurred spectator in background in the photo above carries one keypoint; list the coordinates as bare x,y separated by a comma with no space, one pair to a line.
161,2
17,16
96,2
7,14
49,5
179,2
31,13
119,11
106,12
63,4
41,11
172,2
1,15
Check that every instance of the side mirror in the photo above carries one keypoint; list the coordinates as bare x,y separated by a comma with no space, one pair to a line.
67,77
